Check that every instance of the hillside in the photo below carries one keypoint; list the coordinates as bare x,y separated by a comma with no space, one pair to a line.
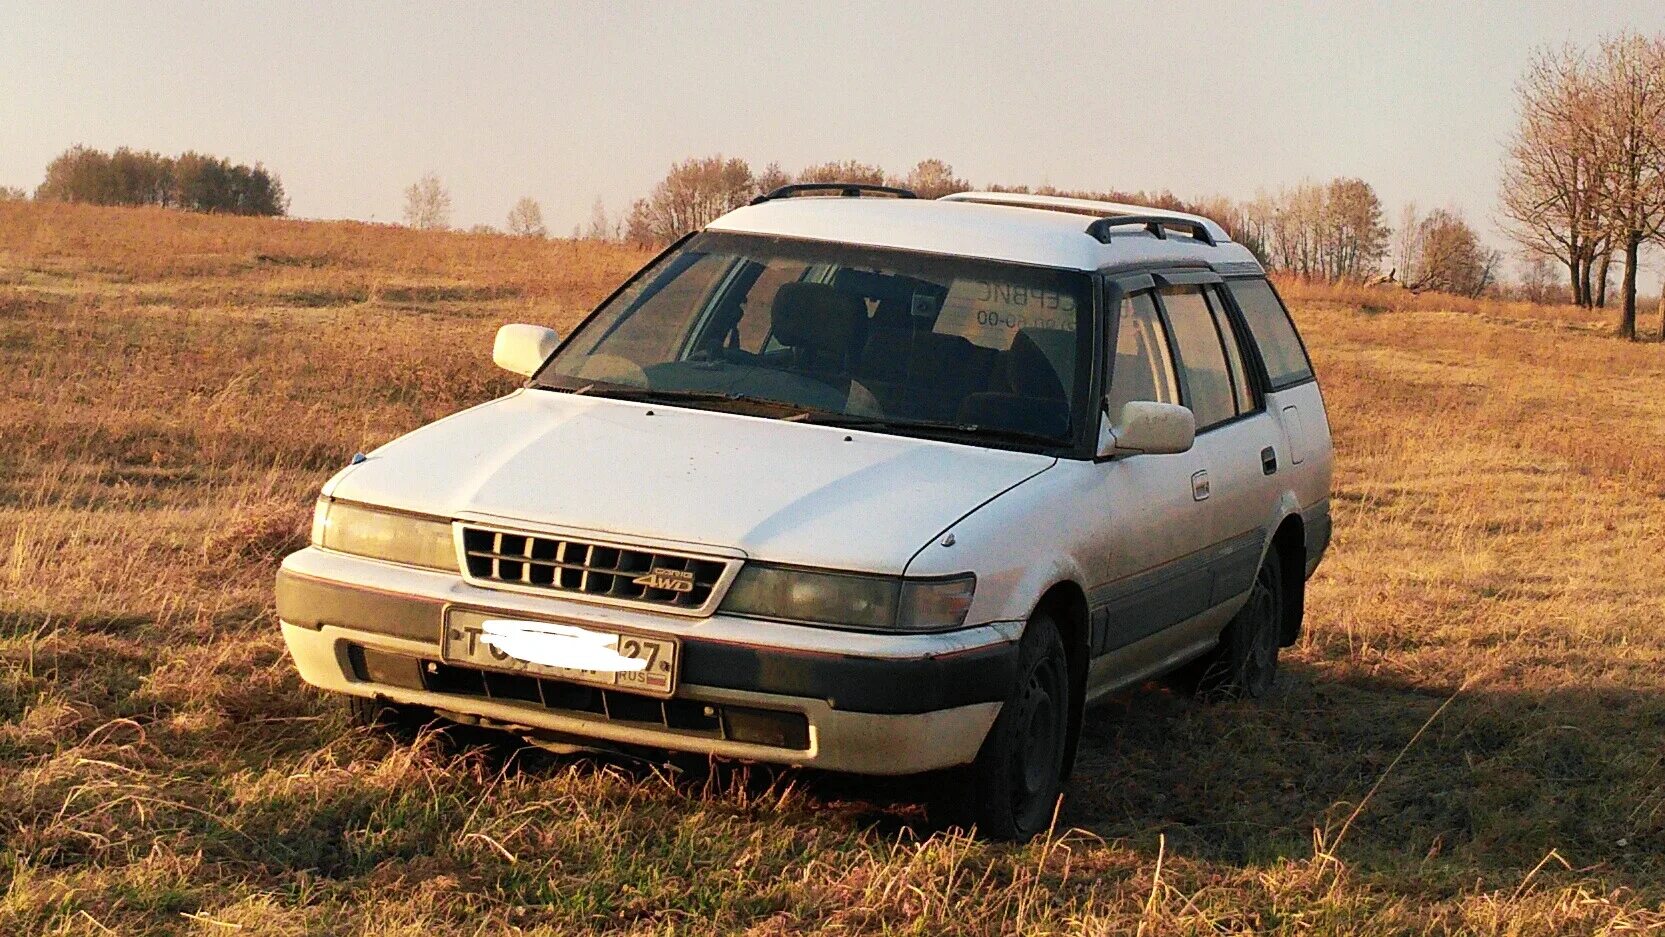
1467,738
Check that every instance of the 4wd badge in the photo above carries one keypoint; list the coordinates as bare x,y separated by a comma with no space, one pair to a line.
671,580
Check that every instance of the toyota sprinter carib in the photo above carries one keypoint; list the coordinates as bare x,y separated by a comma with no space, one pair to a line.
854,480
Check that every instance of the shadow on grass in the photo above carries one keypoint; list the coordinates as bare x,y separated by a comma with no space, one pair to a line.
1500,779
1497,781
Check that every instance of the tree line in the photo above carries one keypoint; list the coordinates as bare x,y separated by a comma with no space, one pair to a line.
1584,174
1582,189
1332,231
190,181
696,191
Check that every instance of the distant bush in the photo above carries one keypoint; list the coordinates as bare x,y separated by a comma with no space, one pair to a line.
11,193
1447,255
845,170
191,181
933,178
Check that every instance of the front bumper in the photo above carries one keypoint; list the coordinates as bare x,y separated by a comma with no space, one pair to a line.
873,704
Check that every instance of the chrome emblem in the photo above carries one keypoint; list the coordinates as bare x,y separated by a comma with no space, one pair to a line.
670,580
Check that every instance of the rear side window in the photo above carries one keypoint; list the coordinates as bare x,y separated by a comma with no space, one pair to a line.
1286,361
1143,368
1202,359
1246,402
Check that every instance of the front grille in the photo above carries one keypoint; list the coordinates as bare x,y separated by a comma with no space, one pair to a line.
584,568
573,698
772,727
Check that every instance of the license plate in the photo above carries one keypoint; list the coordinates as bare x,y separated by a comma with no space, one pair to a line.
595,656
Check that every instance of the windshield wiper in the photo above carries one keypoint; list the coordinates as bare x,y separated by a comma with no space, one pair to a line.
653,395
972,431
674,396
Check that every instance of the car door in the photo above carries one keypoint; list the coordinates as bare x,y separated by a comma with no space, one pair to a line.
1148,558
1238,443
1293,399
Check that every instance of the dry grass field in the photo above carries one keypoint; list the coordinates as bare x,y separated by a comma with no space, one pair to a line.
1469,738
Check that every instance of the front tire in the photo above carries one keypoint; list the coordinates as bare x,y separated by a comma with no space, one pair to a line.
400,720
1015,782
1245,663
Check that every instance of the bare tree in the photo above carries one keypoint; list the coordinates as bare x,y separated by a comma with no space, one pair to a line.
1354,237
1295,215
771,178
1628,124
1552,169
1407,244
1599,279
934,178
427,204
526,218
1661,311
1333,231
1238,218
1537,278
600,227
1250,223
690,196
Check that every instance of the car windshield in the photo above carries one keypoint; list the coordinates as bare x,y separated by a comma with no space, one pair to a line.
888,340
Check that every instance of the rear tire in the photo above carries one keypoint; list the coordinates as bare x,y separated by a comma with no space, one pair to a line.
1244,665
1012,788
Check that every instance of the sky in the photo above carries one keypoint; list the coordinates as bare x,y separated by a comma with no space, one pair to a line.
567,103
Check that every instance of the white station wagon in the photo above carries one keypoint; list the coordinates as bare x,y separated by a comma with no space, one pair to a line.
860,481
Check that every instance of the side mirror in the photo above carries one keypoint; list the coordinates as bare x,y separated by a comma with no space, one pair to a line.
522,349
1149,428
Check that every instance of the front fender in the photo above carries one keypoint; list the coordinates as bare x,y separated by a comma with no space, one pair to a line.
1020,544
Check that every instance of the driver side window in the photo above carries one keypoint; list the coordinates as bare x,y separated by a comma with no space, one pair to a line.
1142,367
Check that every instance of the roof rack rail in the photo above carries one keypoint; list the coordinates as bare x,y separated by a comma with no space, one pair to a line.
845,189
1157,225
1119,212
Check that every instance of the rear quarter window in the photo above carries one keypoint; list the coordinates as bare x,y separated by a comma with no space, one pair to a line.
1273,332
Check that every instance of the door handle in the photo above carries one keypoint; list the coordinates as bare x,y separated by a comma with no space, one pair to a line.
1199,486
1268,460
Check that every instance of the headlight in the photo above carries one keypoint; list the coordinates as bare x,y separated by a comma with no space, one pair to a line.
853,600
384,535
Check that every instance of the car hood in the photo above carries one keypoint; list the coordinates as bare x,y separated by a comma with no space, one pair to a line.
786,492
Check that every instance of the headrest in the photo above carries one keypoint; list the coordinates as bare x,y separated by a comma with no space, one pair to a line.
1030,370
817,317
